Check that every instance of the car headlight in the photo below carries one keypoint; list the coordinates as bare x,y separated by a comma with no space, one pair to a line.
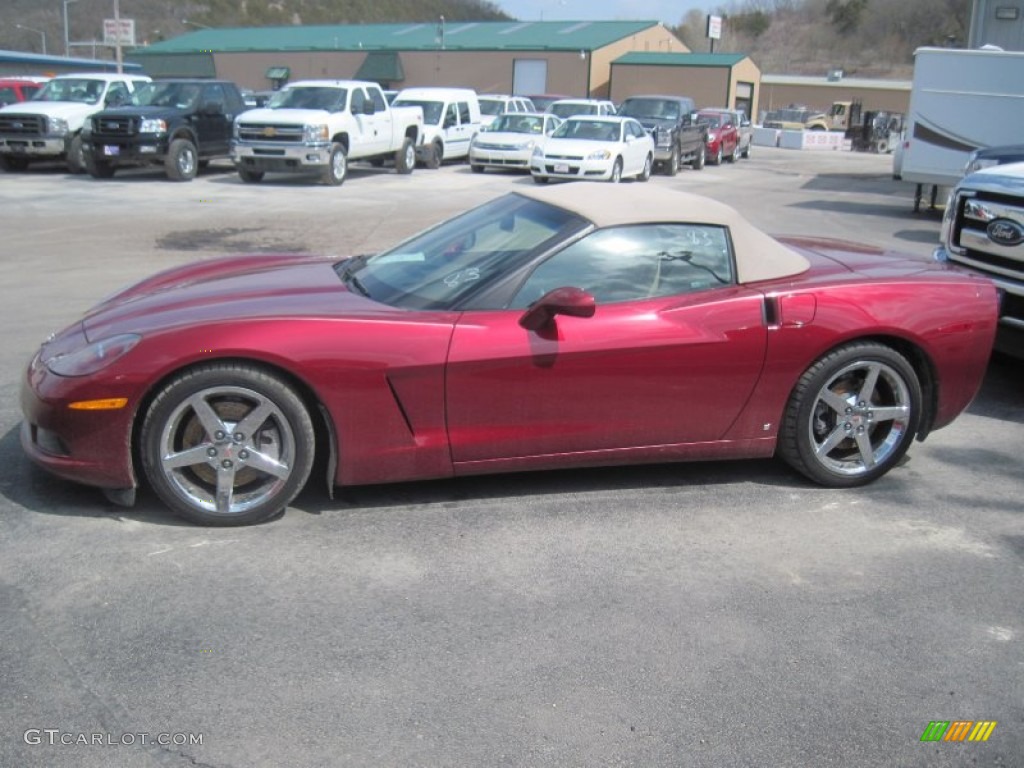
315,133
538,153
153,125
92,358
976,164
57,126
526,145
601,154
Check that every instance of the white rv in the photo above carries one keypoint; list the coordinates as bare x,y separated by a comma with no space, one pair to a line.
961,100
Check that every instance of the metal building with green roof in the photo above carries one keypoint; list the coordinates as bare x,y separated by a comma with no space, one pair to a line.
711,79
570,57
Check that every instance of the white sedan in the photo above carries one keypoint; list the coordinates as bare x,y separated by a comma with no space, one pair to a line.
510,140
600,148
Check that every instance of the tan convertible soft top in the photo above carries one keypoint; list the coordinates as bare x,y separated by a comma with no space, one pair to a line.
758,256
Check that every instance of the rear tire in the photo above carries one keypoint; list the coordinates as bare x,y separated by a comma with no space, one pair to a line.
852,415
182,161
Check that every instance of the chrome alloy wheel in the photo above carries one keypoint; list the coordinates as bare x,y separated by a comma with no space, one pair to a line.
226,450
860,417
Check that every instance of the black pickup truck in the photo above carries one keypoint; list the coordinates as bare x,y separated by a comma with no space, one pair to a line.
679,138
181,124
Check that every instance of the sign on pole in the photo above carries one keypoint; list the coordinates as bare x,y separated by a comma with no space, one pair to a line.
119,32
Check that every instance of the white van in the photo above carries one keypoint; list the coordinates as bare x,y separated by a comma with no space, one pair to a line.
451,118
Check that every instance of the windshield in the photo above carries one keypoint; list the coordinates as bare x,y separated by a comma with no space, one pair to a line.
591,130
650,109
439,268
431,109
512,123
713,121
309,97
570,108
179,95
82,90
491,107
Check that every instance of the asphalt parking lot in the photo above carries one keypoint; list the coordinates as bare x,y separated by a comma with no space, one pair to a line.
725,614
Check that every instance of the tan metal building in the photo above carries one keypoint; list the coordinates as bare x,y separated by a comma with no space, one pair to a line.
567,57
711,79
779,91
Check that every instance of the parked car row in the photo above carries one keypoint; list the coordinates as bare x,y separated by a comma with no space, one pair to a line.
99,123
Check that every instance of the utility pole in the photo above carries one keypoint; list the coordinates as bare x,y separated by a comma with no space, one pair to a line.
117,39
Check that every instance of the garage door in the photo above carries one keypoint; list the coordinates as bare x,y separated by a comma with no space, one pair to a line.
530,76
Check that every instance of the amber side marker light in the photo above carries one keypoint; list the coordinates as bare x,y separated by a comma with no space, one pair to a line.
106,404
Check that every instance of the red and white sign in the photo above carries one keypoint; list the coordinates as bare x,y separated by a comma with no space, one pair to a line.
715,27
119,31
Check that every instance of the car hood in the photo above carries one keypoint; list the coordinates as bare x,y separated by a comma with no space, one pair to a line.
229,289
150,112
285,115
62,109
578,146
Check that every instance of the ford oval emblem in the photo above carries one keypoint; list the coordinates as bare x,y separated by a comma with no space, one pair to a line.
1005,232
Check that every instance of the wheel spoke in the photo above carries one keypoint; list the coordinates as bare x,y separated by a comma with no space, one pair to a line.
892,413
867,451
225,489
835,438
867,389
268,465
188,458
835,401
207,416
255,418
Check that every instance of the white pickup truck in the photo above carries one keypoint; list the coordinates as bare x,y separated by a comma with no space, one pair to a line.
49,126
318,126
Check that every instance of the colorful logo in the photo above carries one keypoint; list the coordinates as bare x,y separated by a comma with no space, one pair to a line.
958,730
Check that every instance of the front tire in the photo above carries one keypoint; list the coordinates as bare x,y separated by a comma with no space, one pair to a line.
435,156
672,166
645,174
698,159
76,155
250,177
182,160
99,169
852,415
717,159
616,176
13,164
405,157
227,444
336,172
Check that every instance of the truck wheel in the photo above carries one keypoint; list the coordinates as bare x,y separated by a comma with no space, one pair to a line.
405,157
76,155
182,160
698,159
250,177
13,163
672,166
337,166
436,155
99,169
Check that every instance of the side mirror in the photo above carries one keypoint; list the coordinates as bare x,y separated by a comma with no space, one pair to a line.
573,302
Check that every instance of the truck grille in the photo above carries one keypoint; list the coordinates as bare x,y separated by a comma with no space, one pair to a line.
286,134
115,126
988,234
22,125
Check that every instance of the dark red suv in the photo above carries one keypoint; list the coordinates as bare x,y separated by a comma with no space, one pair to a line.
15,89
723,134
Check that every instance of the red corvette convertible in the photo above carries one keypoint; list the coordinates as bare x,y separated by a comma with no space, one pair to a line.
578,325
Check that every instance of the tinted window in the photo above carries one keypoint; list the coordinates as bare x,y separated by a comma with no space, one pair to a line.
379,104
636,262
464,115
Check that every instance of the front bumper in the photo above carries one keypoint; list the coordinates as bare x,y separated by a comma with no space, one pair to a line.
126,151
501,158
571,168
89,447
33,146
280,158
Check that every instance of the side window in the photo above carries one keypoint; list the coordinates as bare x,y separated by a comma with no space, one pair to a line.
636,262
214,94
464,115
7,95
358,101
117,95
379,103
451,116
